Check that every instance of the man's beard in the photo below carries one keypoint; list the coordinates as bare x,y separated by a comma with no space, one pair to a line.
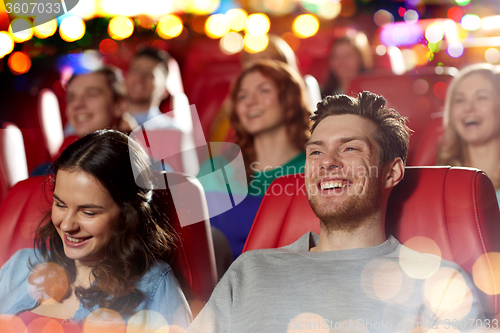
350,215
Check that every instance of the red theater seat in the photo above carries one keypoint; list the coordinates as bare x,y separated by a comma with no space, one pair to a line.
416,95
13,166
455,207
426,151
194,262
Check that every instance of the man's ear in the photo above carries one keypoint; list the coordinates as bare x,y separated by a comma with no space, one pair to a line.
394,172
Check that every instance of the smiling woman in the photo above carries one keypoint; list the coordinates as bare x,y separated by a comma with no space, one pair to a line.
472,121
104,247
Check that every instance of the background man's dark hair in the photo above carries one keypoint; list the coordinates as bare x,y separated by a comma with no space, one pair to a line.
114,79
393,134
161,56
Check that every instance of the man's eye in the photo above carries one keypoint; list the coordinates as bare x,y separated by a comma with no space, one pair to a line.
315,152
351,149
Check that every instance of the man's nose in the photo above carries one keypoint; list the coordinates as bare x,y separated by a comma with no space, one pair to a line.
331,161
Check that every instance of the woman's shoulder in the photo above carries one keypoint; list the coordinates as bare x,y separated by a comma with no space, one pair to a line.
154,276
23,258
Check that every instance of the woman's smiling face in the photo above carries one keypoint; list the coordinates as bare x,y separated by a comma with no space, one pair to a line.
84,214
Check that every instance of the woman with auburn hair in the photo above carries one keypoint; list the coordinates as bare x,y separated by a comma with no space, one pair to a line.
472,122
270,117
102,251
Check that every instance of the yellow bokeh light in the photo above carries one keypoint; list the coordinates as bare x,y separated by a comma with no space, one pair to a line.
492,55
6,44
72,28
120,27
202,7
237,19
217,26
414,266
231,43
24,30
446,293
257,24
11,323
486,273
329,10
305,25
254,44
46,29
169,26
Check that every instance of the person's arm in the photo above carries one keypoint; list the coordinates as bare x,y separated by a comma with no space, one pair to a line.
169,300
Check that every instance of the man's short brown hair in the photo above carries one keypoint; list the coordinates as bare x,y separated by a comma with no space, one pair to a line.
393,134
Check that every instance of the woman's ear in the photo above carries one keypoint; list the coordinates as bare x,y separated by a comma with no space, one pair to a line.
394,172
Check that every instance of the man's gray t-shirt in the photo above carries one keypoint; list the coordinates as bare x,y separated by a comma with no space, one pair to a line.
386,288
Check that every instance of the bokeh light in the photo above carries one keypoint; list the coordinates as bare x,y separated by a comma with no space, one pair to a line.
231,43
11,323
217,26
237,18
310,322
446,293
420,86
46,29
434,33
120,27
462,2
147,321
19,63
103,320
490,23
305,25
276,5
202,7
257,24
48,282
412,263
254,44
329,10
440,89
47,324
486,273
492,55
169,26
470,22
108,46
455,14
411,16
398,66
24,30
72,28
455,49
381,50
382,18
6,44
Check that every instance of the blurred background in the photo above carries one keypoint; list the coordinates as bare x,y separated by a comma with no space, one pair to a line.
207,37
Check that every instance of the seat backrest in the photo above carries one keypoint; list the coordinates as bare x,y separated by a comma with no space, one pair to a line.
13,165
50,121
426,151
454,207
194,263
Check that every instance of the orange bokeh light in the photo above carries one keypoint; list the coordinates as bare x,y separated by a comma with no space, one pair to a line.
19,63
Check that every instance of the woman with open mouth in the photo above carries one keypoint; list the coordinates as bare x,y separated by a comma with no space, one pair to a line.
472,122
101,253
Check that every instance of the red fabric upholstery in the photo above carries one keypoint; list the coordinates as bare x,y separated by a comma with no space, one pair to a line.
194,262
455,207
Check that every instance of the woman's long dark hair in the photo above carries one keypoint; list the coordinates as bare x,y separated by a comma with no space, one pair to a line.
141,238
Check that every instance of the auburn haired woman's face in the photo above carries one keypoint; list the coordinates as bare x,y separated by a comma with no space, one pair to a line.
257,104
84,214
475,111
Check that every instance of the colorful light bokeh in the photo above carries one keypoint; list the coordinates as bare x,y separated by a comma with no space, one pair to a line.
231,43
120,27
19,63
6,44
257,24
217,26
72,28
305,25
169,26
237,18
46,29
24,30
255,43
